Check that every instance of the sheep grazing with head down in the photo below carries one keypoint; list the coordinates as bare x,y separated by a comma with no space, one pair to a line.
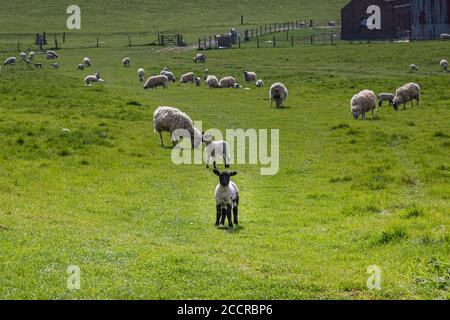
227,82
87,62
413,68
259,83
80,67
169,119
212,82
199,58
52,54
249,76
23,56
278,93
382,97
363,102
168,74
444,36
215,149
89,80
141,74
156,81
444,64
126,62
409,92
10,61
227,198
187,77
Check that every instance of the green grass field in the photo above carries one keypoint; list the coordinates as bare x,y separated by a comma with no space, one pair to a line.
107,198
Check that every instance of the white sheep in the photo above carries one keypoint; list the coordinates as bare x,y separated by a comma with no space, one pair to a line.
31,55
385,97
87,62
80,66
279,93
52,54
198,81
227,198
156,81
126,62
215,149
249,76
169,119
93,78
227,82
444,36
187,77
9,61
413,68
200,57
168,74
444,64
212,82
259,83
237,86
363,102
141,74
409,92
23,56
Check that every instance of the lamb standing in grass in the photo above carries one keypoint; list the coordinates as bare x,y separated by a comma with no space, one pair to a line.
31,55
10,61
227,198
249,76
199,58
169,119
87,62
23,56
157,81
227,82
198,81
413,68
279,93
215,149
363,102
385,97
444,64
126,62
259,83
212,82
409,92
445,36
187,77
168,74
80,66
141,74
89,80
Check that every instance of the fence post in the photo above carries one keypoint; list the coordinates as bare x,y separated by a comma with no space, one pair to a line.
64,36
332,36
257,41
210,42
129,41
97,43
56,43
239,41
292,41
204,42
199,43
274,41
311,23
287,35
312,40
242,19
18,46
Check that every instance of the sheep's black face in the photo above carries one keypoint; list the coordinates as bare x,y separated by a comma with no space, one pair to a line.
395,105
225,176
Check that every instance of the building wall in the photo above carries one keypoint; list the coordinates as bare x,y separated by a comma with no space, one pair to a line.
429,18
353,14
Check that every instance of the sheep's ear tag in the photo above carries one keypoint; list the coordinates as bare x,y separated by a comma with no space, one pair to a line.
216,172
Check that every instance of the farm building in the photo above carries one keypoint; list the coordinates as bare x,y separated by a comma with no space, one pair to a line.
376,19
429,18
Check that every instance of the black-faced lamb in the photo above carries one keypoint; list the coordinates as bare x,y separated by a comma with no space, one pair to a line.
215,149
89,80
227,198
10,61
444,64
249,76
382,97
198,81
80,67
126,62
87,62
169,119
278,93
156,81
141,74
259,83
413,68
409,92
199,58
363,102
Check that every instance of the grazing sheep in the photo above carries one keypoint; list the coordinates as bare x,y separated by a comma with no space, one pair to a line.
31,55
55,65
197,81
227,82
279,93
52,54
249,76
385,97
216,149
259,83
413,68
23,56
363,102
444,64
168,74
10,61
80,66
445,36
156,81
187,77
87,62
93,78
126,62
227,198
237,86
409,92
199,58
212,82
141,74
169,119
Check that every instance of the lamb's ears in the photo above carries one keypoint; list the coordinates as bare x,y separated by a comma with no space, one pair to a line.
216,172
232,174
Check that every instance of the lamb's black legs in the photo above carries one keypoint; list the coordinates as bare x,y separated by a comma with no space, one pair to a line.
230,224
218,214
235,215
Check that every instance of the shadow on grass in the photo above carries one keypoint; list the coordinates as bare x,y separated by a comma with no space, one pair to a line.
236,229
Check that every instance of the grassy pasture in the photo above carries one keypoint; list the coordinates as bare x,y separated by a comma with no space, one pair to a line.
107,198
